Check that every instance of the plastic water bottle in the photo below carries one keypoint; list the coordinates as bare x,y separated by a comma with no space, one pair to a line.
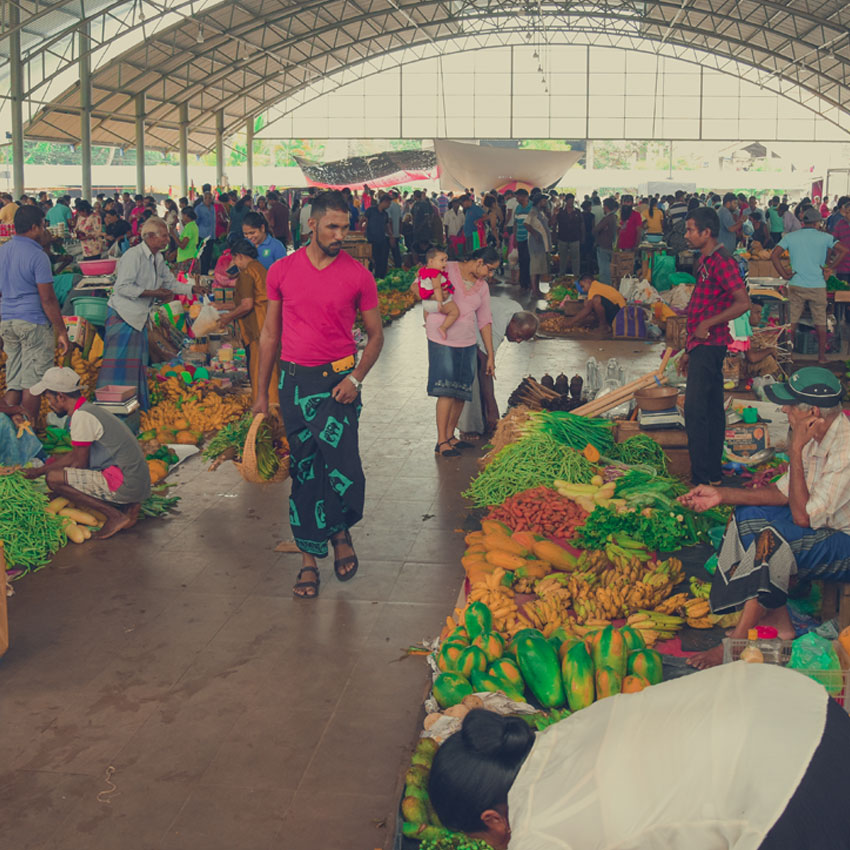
613,370
594,379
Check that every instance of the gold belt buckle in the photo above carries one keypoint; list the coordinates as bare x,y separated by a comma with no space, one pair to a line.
343,364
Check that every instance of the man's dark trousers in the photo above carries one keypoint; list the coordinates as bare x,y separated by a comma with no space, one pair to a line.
705,417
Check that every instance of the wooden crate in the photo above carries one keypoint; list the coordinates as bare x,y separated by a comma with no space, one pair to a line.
359,249
676,332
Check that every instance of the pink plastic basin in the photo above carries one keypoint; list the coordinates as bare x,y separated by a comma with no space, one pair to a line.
97,267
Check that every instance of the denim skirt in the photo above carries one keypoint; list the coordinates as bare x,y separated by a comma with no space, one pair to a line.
451,371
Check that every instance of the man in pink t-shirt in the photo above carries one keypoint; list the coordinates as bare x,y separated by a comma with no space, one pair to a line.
314,296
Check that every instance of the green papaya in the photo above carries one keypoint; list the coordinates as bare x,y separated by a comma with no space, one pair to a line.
540,669
471,659
646,663
633,639
608,682
487,683
507,670
458,635
558,637
449,655
608,649
493,645
478,620
577,673
450,689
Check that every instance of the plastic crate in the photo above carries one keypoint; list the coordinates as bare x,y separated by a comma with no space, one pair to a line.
733,647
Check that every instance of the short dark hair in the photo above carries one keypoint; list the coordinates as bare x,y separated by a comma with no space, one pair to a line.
569,196
433,251
705,218
190,213
82,206
244,247
206,187
183,201
476,767
329,200
523,192
610,204
486,254
256,220
729,196
26,218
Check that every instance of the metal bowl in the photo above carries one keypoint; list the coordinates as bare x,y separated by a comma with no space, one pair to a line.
656,398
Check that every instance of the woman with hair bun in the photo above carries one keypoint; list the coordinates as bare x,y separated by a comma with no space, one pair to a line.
743,756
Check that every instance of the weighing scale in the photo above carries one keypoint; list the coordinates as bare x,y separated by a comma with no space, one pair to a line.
656,420
105,281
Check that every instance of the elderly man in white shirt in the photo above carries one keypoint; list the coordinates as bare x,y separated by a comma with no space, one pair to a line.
142,277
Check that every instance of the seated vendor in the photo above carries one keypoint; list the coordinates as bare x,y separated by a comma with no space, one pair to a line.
105,470
744,756
795,529
602,305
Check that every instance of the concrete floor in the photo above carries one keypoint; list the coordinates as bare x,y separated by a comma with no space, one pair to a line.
228,714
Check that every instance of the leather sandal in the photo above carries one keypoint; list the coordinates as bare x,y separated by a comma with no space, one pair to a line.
461,444
345,575
310,587
452,452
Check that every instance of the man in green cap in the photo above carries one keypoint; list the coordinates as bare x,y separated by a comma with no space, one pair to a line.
794,529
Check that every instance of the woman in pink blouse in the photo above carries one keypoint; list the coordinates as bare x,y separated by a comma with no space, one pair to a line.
452,361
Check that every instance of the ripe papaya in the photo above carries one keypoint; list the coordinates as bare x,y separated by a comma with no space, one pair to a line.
567,645
533,570
633,639
476,549
503,543
505,669
646,663
577,673
478,620
492,644
556,555
608,682
473,537
476,562
609,650
538,663
506,560
450,689
493,685
526,539
492,526
634,684
471,659
449,655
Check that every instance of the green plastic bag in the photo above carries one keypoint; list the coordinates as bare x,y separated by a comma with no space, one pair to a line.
663,266
815,656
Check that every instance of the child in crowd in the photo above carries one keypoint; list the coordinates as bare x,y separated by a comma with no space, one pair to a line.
436,290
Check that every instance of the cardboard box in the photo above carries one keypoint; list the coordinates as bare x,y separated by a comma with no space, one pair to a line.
765,268
744,440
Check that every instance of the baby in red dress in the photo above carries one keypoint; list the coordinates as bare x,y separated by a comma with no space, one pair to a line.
435,289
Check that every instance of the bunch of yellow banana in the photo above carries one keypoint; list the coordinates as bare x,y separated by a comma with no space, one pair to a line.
654,625
500,600
672,604
550,611
697,610
88,370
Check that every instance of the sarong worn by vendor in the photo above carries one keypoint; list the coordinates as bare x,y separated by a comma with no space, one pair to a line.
105,469
314,295
249,296
795,529
141,277
742,757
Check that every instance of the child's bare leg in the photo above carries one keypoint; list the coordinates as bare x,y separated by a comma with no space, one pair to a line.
451,312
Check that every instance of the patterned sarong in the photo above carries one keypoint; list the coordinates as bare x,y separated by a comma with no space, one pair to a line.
328,484
125,357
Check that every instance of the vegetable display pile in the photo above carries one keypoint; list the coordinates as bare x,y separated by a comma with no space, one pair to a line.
640,450
199,408
30,534
540,510
577,432
534,460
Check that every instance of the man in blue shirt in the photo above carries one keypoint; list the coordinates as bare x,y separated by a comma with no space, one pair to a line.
255,229
523,208
205,219
813,255
472,212
378,235
730,224
29,311
61,213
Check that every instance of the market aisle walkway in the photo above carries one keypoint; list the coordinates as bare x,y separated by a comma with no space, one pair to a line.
236,717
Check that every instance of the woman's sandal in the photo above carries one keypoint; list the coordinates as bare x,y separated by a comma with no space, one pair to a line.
311,588
461,444
346,575
452,452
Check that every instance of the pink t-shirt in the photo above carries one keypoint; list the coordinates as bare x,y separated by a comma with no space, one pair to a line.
319,306
474,307
629,232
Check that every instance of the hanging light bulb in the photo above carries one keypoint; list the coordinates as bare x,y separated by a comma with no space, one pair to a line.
199,38
536,55
539,69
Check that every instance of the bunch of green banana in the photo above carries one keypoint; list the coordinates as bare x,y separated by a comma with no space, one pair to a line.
268,462
664,625
700,589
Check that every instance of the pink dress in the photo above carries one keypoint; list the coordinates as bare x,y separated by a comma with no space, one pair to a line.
429,280
474,307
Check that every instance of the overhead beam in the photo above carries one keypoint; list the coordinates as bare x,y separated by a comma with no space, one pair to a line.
85,108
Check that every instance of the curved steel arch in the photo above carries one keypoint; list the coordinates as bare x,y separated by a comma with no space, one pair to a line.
265,51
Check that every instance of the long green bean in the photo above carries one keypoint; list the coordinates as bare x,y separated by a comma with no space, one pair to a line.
536,459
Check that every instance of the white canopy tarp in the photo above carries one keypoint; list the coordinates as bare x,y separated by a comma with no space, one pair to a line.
482,167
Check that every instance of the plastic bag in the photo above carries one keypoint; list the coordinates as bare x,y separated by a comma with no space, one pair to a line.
816,657
223,263
206,321
662,267
679,296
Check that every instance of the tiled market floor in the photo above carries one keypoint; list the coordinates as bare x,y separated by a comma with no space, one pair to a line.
234,716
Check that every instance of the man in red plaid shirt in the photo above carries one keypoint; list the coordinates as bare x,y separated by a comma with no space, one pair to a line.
718,297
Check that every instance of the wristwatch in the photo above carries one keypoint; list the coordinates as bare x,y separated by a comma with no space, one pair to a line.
357,384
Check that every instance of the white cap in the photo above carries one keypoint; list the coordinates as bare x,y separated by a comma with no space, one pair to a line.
57,379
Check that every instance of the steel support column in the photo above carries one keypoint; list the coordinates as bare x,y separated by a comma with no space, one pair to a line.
249,149
184,149
140,143
83,36
16,98
219,147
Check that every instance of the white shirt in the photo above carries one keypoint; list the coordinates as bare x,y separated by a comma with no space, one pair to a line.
453,221
703,762
140,270
305,220
510,209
